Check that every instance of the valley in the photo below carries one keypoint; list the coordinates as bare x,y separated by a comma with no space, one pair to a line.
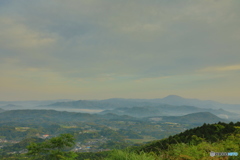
101,126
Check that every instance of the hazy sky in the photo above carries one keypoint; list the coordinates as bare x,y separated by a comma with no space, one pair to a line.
98,49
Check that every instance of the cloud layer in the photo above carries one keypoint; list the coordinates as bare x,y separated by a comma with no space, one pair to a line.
92,49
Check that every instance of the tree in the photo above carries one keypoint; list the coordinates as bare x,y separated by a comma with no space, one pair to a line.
53,148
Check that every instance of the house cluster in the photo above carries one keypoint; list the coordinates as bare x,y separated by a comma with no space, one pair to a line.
3,141
8,141
90,146
45,136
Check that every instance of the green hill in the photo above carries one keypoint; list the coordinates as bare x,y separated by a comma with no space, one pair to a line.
207,132
38,116
51,116
192,144
168,110
194,118
22,144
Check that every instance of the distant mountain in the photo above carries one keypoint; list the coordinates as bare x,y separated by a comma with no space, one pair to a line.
121,103
169,106
83,104
98,104
168,110
193,118
11,107
32,103
178,101
1,110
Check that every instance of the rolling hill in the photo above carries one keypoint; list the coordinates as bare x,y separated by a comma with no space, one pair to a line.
207,132
169,106
193,118
52,116
168,110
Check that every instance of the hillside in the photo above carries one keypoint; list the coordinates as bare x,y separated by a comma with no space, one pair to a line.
193,118
42,115
51,116
207,132
136,111
195,143
192,144
22,144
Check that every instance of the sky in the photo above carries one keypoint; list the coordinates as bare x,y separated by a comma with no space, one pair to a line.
99,49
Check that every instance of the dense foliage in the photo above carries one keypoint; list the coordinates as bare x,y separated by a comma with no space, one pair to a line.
193,144
53,148
207,132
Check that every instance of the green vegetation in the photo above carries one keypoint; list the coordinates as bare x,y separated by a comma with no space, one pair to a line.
219,137
53,148
141,141
52,135
208,132
183,151
124,155
22,144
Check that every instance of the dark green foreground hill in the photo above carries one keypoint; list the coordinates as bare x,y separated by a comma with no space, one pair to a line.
209,133
193,144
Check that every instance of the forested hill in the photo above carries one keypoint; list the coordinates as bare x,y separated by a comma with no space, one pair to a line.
52,116
192,144
207,132
42,115
165,110
193,118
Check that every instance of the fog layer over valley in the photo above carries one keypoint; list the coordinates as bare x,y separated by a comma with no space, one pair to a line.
169,106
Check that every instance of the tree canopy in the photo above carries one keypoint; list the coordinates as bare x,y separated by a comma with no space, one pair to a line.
54,148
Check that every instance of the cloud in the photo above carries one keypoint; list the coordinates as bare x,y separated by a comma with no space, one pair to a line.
111,43
149,80
221,68
17,36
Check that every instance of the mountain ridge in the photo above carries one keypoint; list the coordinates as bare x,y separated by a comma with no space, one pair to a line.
192,118
176,100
